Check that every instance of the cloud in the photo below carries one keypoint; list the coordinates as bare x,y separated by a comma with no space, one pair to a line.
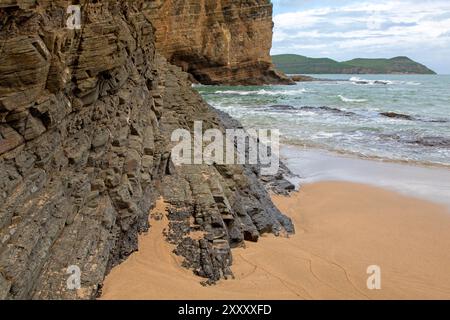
350,29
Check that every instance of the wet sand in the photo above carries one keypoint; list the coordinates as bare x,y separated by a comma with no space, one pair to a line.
342,228
419,181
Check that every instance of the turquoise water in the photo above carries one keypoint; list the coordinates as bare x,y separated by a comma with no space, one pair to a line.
344,113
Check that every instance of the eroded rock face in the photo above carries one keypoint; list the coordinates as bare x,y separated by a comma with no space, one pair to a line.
218,41
85,123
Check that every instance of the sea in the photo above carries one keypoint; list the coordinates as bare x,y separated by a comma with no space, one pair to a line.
390,117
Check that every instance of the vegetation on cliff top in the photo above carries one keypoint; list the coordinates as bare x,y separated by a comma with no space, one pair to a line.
297,64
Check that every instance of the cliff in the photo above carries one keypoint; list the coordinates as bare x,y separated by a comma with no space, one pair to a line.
85,123
218,41
296,64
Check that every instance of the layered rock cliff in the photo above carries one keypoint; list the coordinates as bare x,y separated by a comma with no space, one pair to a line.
218,41
85,121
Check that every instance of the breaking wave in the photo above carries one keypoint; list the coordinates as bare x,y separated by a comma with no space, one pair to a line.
345,99
262,92
357,80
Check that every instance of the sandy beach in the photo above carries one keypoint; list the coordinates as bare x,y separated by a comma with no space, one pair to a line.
342,228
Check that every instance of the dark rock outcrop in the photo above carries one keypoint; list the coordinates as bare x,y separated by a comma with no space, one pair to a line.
86,117
302,78
396,115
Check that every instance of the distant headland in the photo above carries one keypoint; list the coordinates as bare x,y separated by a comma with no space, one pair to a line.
297,64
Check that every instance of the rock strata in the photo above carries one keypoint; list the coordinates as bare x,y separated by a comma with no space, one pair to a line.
86,119
218,42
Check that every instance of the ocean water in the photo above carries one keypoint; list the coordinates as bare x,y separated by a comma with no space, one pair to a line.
392,117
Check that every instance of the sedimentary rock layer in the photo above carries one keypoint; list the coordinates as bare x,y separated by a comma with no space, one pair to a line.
218,41
85,121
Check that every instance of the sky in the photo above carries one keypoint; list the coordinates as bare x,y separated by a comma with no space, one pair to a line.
347,29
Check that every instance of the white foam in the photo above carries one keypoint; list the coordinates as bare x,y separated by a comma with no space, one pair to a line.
345,99
325,135
357,80
263,92
360,81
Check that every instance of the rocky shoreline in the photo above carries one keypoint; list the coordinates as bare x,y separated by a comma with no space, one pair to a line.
86,118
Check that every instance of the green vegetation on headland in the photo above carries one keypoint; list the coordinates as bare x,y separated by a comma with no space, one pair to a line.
297,64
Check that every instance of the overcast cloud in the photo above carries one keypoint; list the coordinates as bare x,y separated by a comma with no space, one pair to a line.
346,29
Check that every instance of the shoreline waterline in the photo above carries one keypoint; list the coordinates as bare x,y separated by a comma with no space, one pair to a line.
360,156
418,181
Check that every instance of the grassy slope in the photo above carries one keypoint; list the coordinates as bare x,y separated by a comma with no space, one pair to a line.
292,64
